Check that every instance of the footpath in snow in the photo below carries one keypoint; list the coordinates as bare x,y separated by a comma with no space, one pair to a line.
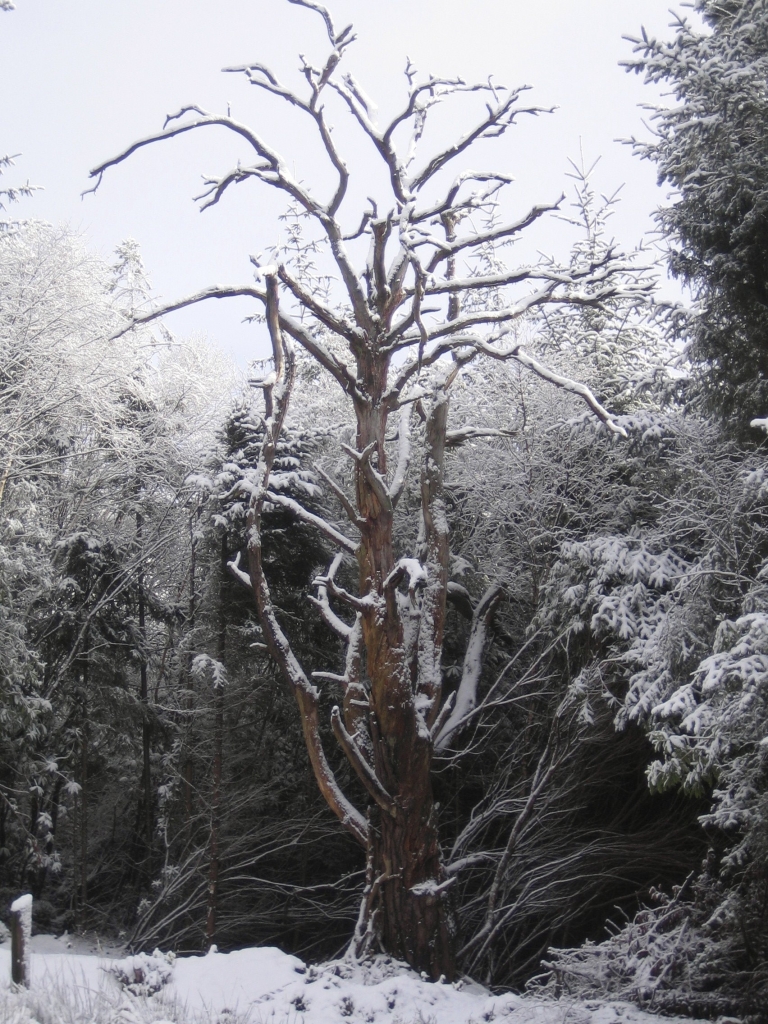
265,986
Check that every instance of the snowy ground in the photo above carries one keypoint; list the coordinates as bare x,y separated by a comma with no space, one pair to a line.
261,986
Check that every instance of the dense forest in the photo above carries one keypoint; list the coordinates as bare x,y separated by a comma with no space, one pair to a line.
445,632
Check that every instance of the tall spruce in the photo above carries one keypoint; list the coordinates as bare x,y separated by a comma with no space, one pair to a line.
710,144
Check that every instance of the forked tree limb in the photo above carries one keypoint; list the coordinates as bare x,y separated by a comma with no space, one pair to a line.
364,771
343,629
352,334
446,249
496,123
448,204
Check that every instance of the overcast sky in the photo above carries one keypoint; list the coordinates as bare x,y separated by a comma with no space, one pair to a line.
82,79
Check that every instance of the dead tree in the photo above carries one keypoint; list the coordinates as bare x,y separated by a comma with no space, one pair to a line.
394,347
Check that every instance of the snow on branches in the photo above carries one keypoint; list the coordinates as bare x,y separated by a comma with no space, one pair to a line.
412,314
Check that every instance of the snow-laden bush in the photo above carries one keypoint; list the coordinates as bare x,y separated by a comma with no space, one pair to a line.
672,957
143,974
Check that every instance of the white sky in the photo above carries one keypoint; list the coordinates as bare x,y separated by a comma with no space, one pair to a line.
81,80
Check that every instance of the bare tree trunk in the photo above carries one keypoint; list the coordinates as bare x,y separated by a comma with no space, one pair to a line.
6,474
213,870
411,918
189,776
146,732
218,738
84,802
191,613
408,909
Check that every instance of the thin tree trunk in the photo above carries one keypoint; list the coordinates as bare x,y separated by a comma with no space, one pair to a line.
84,822
84,798
188,773
213,870
146,732
218,738
6,474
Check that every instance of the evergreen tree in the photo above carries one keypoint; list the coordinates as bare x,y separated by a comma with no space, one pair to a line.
710,145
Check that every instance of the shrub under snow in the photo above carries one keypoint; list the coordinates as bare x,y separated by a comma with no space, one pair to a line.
674,957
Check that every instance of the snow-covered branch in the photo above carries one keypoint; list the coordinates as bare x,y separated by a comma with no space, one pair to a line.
321,602
346,504
475,201
454,438
235,570
403,455
466,695
498,120
445,249
276,400
364,771
317,521
326,316
566,383
287,323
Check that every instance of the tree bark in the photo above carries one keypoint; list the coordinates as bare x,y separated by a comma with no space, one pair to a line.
21,933
213,869
412,918
409,910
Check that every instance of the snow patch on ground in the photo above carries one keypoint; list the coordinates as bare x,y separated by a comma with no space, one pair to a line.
267,986
76,944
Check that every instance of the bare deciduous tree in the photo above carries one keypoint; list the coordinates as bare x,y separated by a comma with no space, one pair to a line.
407,327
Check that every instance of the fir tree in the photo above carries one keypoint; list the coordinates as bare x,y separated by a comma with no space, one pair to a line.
710,145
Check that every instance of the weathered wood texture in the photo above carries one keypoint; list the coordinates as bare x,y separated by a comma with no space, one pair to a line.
21,933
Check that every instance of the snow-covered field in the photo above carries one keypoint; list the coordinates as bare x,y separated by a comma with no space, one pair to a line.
262,986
